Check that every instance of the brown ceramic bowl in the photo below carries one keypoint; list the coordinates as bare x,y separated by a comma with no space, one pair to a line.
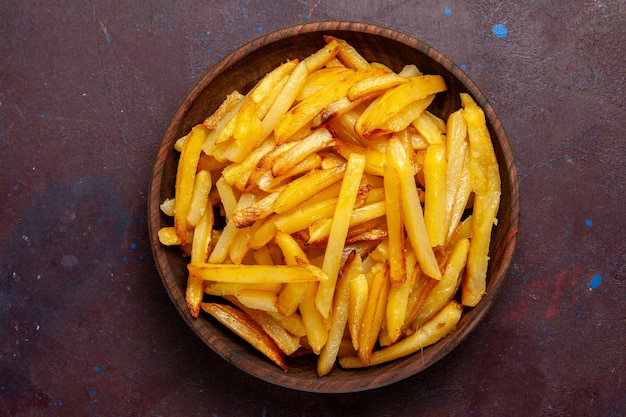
241,70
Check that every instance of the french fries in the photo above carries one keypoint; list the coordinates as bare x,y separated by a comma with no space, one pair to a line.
432,331
243,325
327,211
485,181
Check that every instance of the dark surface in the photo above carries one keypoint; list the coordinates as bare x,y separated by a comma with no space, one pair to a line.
86,90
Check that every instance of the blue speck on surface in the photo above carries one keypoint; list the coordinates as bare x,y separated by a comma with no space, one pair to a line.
499,30
96,369
133,246
92,393
595,282
447,11
463,67
588,223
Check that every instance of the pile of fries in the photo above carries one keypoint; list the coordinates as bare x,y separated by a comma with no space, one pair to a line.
328,212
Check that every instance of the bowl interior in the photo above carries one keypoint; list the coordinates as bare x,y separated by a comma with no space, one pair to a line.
241,70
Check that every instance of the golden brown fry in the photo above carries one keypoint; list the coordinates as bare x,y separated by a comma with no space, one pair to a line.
260,300
235,288
316,328
238,249
248,130
339,107
433,331
199,198
262,255
402,119
318,59
396,99
328,355
422,286
359,290
253,273
247,329
321,229
291,296
350,57
374,160
342,128
435,194
457,170
264,165
485,179
374,313
185,176
292,323
285,99
447,287
247,216
168,237
288,343
209,163
227,197
199,253
376,84
305,187
395,225
237,174
412,210
369,231
269,183
398,300
226,106
338,231
263,233
303,217
193,295
430,127
230,232
320,78
304,112
316,142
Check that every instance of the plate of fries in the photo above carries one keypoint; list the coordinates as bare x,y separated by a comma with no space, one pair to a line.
334,207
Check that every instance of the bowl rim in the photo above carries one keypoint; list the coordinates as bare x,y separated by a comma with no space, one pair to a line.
326,384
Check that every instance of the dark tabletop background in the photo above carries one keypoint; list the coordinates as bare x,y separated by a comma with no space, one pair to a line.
86,327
